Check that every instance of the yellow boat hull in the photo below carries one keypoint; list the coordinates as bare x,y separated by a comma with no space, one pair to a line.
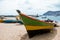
38,27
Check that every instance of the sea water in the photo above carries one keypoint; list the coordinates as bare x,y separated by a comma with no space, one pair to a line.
54,18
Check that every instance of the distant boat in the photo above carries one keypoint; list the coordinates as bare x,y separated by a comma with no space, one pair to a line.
34,26
13,21
44,17
1,19
34,15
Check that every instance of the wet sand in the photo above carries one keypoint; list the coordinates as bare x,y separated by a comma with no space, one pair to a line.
16,31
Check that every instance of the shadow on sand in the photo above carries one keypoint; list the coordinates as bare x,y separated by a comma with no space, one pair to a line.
45,36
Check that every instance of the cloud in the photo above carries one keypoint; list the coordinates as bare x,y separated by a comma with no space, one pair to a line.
57,5
7,7
39,6
43,4
28,6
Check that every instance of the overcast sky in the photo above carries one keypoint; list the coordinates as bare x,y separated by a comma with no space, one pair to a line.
8,7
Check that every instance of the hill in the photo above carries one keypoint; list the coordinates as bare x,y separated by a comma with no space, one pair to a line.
52,13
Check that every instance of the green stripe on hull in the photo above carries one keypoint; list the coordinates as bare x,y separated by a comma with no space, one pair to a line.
28,21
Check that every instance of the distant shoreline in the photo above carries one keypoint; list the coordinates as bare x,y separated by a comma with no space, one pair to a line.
8,15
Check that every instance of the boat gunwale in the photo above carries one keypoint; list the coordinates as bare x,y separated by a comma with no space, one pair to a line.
34,18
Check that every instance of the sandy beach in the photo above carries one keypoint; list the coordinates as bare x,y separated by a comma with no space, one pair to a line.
16,31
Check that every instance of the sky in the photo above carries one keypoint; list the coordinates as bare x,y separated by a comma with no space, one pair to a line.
30,7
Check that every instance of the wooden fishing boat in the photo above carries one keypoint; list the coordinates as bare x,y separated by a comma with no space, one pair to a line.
34,26
1,21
